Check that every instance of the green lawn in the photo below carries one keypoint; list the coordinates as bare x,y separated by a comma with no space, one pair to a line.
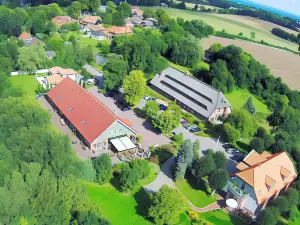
231,24
195,195
88,41
119,208
220,217
238,99
27,82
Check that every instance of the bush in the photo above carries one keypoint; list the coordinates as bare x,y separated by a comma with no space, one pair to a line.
139,139
163,153
129,178
141,166
193,215
154,160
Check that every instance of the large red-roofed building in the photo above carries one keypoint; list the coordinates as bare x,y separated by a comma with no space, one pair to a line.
93,123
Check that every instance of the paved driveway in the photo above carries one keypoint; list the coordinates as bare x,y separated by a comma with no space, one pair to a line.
150,136
206,143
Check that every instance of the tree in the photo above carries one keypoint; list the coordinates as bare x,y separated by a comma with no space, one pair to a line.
195,7
148,13
116,70
261,132
32,58
249,106
141,166
111,7
196,148
243,122
125,8
103,167
258,144
269,216
151,109
166,121
129,178
105,47
252,34
4,83
184,158
293,196
231,134
134,87
216,47
166,206
218,179
268,140
220,160
74,9
241,34
282,204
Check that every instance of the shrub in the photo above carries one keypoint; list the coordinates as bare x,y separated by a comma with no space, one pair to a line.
154,160
193,215
139,139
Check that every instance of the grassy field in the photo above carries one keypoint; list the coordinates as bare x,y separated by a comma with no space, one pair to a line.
195,195
238,99
281,63
118,208
27,82
219,217
233,25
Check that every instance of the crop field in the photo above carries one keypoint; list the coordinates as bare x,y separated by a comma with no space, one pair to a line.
281,63
234,25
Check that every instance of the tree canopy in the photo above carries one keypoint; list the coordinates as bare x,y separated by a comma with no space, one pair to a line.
134,87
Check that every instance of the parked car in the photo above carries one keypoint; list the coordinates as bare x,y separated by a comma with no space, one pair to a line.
190,127
162,107
90,81
124,108
183,122
226,146
237,158
147,97
195,130
232,151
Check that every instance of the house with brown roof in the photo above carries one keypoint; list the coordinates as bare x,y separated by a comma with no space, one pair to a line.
63,72
60,20
92,20
116,31
98,128
29,40
260,178
136,11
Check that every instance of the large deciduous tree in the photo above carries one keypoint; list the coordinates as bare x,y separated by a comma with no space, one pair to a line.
116,70
218,179
32,58
220,160
103,167
166,206
151,109
134,87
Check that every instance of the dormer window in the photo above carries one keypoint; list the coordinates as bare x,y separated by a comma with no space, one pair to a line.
270,183
284,173
70,109
83,122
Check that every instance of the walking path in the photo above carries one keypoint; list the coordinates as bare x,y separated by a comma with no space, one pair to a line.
165,178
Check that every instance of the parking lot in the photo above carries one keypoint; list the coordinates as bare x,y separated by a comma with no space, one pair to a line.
150,136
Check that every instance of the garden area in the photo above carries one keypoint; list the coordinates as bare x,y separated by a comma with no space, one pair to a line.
197,194
26,82
238,99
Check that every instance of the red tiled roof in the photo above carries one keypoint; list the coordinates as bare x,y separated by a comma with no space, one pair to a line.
24,36
78,106
60,20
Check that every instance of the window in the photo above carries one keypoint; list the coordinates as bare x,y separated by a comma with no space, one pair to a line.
70,109
243,186
99,145
121,130
83,122
95,146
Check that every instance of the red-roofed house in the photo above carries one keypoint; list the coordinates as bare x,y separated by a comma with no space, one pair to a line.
136,11
29,40
60,20
260,177
116,31
94,124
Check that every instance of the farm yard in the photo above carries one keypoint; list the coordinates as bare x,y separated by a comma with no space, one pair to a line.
281,63
234,24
